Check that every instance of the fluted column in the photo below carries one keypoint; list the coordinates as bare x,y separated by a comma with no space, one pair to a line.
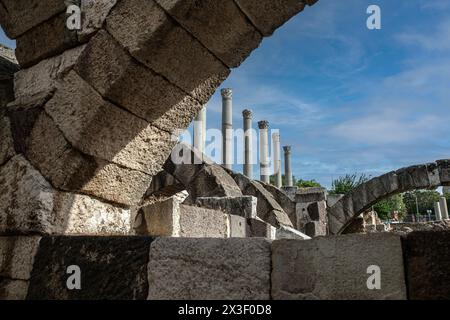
437,211
277,159
287,167
264,151
200,130
248,161
227,127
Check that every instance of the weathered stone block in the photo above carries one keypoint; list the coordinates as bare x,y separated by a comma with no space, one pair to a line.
196,222
268,15
148,95
315,229
288,205
202,269
111,268
244,206
94,13
414,177
427,258
257,228
16,17
336,267
317,211
13,289
219,25
306,195
26,199
157,41
17,256
238,226
289,233
6,141
444,172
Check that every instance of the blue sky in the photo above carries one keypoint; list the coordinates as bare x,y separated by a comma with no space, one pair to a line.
346,98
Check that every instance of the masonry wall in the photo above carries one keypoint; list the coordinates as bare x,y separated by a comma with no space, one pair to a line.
336,267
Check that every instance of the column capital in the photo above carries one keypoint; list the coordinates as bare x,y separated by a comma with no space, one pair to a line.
227,93
247,114
287,149
263,124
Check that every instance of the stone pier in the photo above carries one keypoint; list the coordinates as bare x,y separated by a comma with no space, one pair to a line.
248,144
264,151
288,167
437,211
277,159
200,130
227,128
444,208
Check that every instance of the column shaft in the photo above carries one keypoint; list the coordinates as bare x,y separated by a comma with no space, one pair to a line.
200,130
277,159
227,128
264,151
437,211
248,144
288,167
444,208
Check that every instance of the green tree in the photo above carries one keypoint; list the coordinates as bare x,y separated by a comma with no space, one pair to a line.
425,201
307,184
385,207
346,184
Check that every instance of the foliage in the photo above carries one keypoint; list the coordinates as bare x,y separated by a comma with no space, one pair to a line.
387,206
346,184
425,200
307,183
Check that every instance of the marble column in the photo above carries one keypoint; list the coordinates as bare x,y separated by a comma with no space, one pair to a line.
227,128
277,159
200,130
444,208
248,152
437,211
288,167
264,163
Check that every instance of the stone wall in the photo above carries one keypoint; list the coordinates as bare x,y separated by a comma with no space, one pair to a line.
334,267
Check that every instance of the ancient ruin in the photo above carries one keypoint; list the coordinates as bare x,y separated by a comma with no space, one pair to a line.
89,120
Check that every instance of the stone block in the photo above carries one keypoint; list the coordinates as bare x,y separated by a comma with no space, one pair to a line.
209,269
306,195
219,25
17,256
332,199
26,199
238,226
290,233
288,205
317,211
444,172
6,140
111,268
315,229
148,96
269,15
196,222
94,13
257,228
13,289
16,17
337,267
161,44
244,206
162,218
414,177
427,258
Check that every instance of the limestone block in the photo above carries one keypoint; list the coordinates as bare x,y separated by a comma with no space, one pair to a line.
267,208
43,76
268,15
111,268
153,38
306,195
414,177
45,40
244,206
162,218
315,229
196,222
360,197
17,256
332,199
317,211
105,131
164,184
70,170
219,25
444,172
16,17
427,257
83,215
108,68
355,225
257,228
288,205
336,267
94,13
205,269
13,289
238,226
26,199
6,141
289,233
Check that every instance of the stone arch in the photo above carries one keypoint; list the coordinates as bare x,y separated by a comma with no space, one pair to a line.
96,110
425,176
